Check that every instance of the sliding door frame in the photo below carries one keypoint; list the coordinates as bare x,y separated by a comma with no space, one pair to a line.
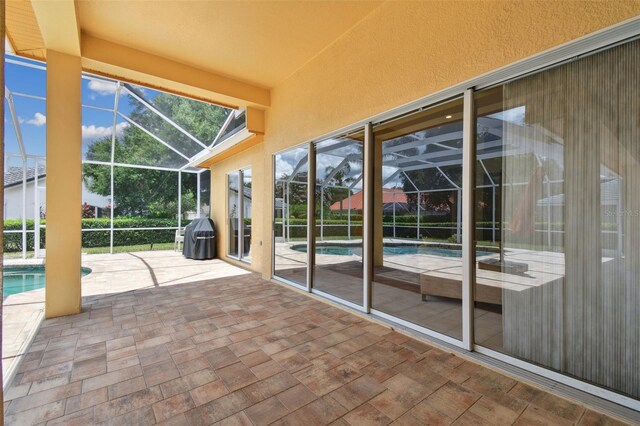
311,214
468,218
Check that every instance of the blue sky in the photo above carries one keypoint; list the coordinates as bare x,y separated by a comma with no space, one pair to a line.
31,113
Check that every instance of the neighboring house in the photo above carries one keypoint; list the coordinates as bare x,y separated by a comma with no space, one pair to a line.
233,201
13,188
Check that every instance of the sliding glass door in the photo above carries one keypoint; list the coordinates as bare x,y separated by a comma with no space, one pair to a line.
233,216
246,214
338,217
559,169
551,198
290,215
239,203
418,218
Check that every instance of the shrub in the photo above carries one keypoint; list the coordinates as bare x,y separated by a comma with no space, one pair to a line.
13,242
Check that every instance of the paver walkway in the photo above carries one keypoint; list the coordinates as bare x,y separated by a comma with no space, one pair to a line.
111,273
242,350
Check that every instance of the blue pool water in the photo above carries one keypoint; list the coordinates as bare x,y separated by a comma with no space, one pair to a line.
343,250
17,279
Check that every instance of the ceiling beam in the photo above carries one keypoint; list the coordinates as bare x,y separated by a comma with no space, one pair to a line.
59,27
115,60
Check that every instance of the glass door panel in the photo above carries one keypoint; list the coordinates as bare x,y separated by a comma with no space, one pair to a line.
560,285
418,218
233,214
290,215
246,215
338,231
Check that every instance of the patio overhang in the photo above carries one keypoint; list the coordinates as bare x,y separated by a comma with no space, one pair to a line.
114,60
228,53
35,27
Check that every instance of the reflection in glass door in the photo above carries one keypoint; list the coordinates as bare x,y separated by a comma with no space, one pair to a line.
338,217
247,203
556,208
418,218
561,151
232,214
290,215
239,215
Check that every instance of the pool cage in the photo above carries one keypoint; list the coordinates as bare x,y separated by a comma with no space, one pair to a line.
137,144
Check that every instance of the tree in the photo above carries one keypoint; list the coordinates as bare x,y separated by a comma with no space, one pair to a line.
146,192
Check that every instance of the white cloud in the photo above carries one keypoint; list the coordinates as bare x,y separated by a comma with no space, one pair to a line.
92,133
37,120
102,87
283,167
105,88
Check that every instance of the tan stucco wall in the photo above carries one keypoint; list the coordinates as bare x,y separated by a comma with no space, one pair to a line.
400,52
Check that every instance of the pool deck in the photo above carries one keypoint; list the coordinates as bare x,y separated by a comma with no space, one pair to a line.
111,273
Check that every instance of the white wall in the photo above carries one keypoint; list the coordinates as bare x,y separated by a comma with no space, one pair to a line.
13,200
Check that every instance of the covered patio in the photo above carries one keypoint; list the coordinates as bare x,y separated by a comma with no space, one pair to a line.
177,345
423,215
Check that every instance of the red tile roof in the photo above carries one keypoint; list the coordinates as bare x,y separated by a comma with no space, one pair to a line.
388,196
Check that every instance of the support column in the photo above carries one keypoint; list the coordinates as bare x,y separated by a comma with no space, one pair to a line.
64,185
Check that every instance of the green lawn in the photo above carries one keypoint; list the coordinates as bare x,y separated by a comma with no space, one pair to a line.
126,249
97,250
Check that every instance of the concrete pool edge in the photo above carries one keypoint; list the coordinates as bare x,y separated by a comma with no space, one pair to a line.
16,360
23,262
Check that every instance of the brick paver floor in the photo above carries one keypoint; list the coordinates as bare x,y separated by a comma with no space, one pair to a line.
241,350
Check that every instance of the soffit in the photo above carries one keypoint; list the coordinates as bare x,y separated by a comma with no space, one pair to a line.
23,31
261,43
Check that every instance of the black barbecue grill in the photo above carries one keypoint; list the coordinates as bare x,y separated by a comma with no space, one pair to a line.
200,239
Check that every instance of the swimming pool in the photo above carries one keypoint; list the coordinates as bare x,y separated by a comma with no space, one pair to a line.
18,279
345,250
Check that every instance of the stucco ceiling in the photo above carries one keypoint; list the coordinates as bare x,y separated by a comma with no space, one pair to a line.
257,42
